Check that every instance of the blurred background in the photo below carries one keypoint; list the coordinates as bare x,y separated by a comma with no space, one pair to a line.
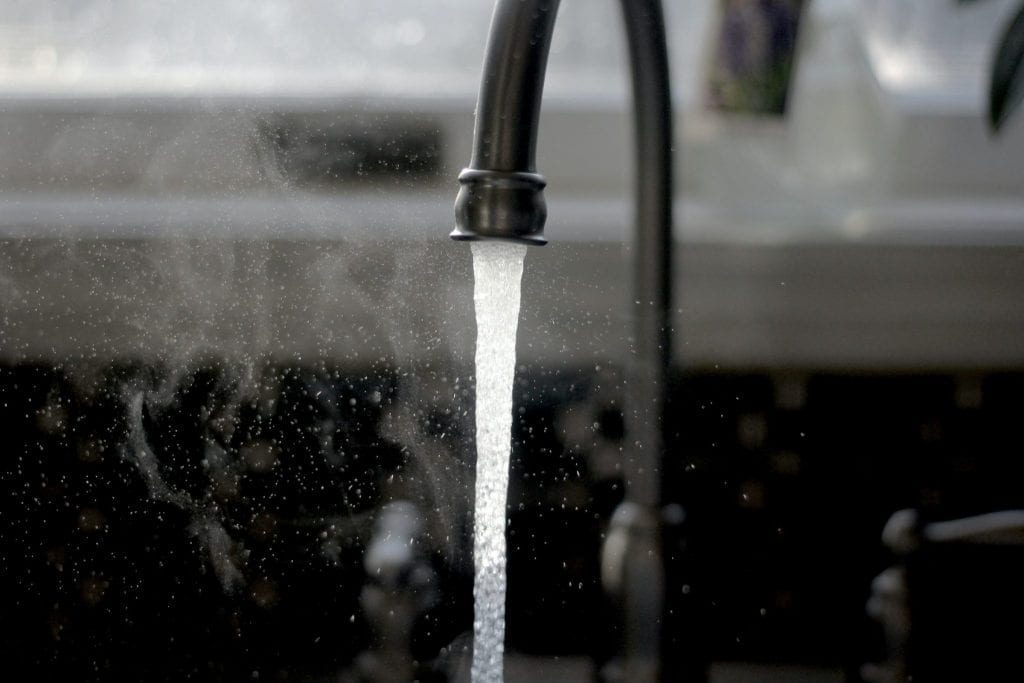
236,344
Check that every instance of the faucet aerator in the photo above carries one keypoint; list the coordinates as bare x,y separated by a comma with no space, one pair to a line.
500,205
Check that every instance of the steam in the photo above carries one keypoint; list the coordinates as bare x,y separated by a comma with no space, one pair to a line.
206,525
141,454
154,268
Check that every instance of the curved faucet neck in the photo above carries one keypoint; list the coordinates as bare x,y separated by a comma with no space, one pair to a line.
508,107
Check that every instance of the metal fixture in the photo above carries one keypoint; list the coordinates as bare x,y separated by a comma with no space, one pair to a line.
502,198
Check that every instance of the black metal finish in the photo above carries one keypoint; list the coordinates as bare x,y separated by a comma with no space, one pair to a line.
500,205
501,198
652,255
502,193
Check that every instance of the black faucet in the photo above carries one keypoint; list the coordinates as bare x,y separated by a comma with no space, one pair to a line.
502,198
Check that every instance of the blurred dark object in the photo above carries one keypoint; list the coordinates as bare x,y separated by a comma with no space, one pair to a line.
240,542
951,608
321,153
1006,80
401,586
1006,88
752,65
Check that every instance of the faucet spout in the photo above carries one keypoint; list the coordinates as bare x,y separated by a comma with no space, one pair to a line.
501,197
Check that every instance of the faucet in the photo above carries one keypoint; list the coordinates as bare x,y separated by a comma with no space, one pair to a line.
401,587
501,198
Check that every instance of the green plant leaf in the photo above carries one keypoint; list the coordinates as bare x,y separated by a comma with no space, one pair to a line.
1007,89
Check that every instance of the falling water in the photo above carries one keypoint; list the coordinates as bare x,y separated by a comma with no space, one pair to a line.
498,269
